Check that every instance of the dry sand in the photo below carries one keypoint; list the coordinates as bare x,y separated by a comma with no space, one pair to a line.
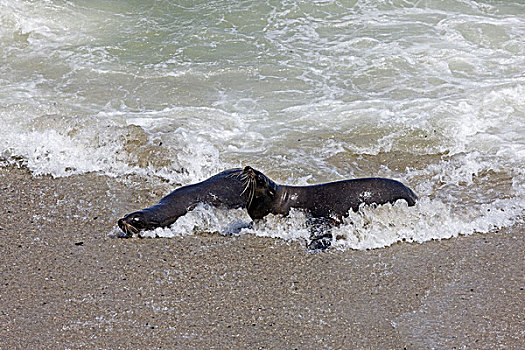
65,284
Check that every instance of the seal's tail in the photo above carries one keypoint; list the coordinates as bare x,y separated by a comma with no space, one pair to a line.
411,197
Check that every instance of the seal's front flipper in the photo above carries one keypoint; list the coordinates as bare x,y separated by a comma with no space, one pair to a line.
320,244
320,234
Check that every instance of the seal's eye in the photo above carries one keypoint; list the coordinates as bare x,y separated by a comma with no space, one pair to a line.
261,179
136,219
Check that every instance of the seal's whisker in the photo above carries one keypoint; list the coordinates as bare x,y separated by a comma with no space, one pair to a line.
252,194
126,230
249,194
129,230
236,173
246,185
249,186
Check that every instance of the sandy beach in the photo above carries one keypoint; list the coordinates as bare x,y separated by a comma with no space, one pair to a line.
66,284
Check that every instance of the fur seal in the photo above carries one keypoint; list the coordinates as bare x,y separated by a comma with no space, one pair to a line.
225,190
325,203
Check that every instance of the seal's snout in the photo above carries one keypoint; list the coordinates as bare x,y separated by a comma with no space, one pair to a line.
120,224
127,227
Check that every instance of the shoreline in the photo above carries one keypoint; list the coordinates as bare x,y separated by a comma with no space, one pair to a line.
66,284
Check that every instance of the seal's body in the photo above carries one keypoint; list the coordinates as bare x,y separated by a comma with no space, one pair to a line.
222,190
329,200
325,203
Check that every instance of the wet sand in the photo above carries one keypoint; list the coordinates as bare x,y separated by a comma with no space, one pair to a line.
66,284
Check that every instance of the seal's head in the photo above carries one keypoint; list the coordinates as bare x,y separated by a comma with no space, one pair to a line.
261,192
135,222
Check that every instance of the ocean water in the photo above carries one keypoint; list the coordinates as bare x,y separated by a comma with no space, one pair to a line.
431,93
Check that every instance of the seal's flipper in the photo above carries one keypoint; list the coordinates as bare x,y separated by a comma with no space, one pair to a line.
320,244
320,234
